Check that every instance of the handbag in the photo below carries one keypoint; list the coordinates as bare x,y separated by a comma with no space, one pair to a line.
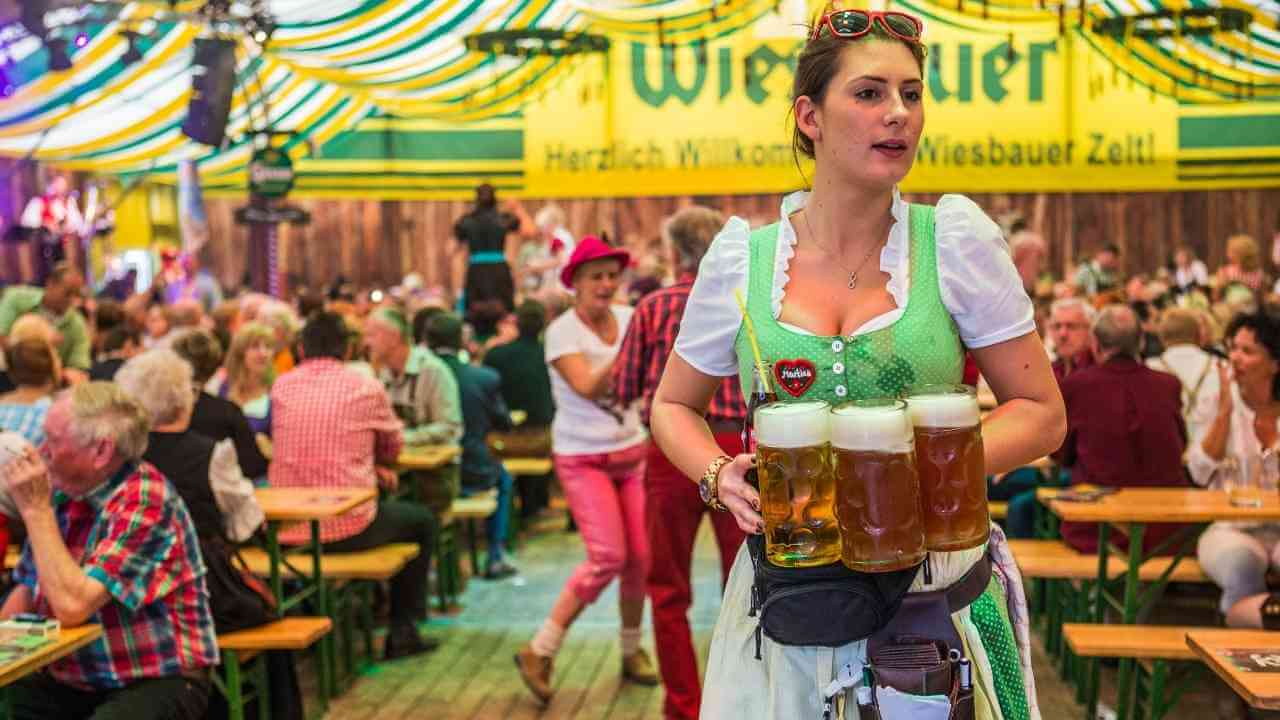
826,606
237,598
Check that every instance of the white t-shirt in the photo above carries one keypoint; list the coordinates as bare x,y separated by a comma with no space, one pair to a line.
980,286
581,427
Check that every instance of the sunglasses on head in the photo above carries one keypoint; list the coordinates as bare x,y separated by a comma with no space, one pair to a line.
851,24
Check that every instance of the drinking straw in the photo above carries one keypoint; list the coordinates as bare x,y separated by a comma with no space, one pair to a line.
755,346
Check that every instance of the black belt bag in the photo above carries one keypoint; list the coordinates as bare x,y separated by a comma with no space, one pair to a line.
826,606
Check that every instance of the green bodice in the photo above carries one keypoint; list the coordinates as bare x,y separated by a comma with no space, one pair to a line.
922,347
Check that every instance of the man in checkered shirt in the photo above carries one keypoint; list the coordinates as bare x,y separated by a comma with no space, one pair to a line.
333,427
109,542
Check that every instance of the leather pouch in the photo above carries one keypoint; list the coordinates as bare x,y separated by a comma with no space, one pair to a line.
913,665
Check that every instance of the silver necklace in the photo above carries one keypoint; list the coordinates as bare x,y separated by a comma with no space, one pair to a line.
853,274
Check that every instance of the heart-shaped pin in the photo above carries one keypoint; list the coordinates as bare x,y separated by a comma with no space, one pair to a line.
795,376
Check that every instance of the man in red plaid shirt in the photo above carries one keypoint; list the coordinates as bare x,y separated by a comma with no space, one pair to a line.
675,508
115,546
332,427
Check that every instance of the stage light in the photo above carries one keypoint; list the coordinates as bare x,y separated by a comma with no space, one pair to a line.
133,54
59,57
82,39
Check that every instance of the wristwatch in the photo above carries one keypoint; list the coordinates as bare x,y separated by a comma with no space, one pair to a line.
709,485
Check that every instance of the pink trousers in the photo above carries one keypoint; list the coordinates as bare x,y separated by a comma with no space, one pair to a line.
606,496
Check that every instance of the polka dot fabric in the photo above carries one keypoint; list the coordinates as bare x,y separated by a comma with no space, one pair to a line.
992,621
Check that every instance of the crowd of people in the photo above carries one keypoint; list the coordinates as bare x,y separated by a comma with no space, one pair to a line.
139,423
1168,379
146,417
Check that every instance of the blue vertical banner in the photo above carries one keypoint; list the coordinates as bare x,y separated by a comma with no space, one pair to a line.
192,221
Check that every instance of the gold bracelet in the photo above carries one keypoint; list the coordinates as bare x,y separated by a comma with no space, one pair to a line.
709,485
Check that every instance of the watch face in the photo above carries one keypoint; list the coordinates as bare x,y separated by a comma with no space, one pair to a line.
704,490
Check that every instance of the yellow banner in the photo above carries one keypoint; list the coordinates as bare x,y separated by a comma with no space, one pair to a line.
1009,108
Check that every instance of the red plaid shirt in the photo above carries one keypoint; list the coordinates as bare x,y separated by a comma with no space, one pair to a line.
134,535
643,355
329,426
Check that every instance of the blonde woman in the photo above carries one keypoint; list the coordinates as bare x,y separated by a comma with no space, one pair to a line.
248,374
1244,264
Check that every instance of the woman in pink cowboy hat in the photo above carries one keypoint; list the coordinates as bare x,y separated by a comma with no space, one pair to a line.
599,454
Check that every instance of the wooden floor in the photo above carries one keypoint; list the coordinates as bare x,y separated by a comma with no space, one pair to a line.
472,677
472,674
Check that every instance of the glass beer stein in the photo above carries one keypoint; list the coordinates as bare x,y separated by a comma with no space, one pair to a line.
877,489
953,483
797,489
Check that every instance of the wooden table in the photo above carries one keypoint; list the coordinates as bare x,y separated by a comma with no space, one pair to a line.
1128,511
310,505
426,457
69,640
301,504
1259,689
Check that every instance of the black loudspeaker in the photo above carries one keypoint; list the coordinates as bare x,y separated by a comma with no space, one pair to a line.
32,17
213,81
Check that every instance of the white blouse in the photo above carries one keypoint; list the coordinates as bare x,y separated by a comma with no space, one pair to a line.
1242,442
1243,447
980,286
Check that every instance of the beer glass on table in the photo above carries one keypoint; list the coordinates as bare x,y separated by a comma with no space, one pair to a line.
1246,482
797,488
877,489
953,483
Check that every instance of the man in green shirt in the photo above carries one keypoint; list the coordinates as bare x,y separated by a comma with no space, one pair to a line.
55,302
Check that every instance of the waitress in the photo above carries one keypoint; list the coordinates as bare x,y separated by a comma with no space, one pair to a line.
489,292
850,327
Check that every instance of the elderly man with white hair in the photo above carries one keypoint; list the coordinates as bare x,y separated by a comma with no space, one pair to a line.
1069,323
206,474
109,541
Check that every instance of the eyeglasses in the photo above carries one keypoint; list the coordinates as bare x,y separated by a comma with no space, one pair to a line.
851,24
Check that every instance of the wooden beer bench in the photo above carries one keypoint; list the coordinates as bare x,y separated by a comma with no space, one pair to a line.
1063,582
1128,511
240,649
468,510
1154,647
353,575
523,467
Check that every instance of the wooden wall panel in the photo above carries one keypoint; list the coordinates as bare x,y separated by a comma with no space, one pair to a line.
376,243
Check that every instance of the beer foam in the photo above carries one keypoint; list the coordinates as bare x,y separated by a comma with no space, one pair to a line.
944,410
882,428
792,425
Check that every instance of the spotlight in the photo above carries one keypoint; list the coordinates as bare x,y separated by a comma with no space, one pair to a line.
82,39
59,57
133,54
260,27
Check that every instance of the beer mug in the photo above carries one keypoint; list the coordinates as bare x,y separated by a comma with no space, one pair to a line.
953,483
797,489
877,490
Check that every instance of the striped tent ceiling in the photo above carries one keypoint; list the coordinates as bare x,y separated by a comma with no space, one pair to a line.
332,64
1217,68
328,65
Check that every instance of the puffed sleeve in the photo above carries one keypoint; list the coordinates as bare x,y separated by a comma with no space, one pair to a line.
711,317
980,286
